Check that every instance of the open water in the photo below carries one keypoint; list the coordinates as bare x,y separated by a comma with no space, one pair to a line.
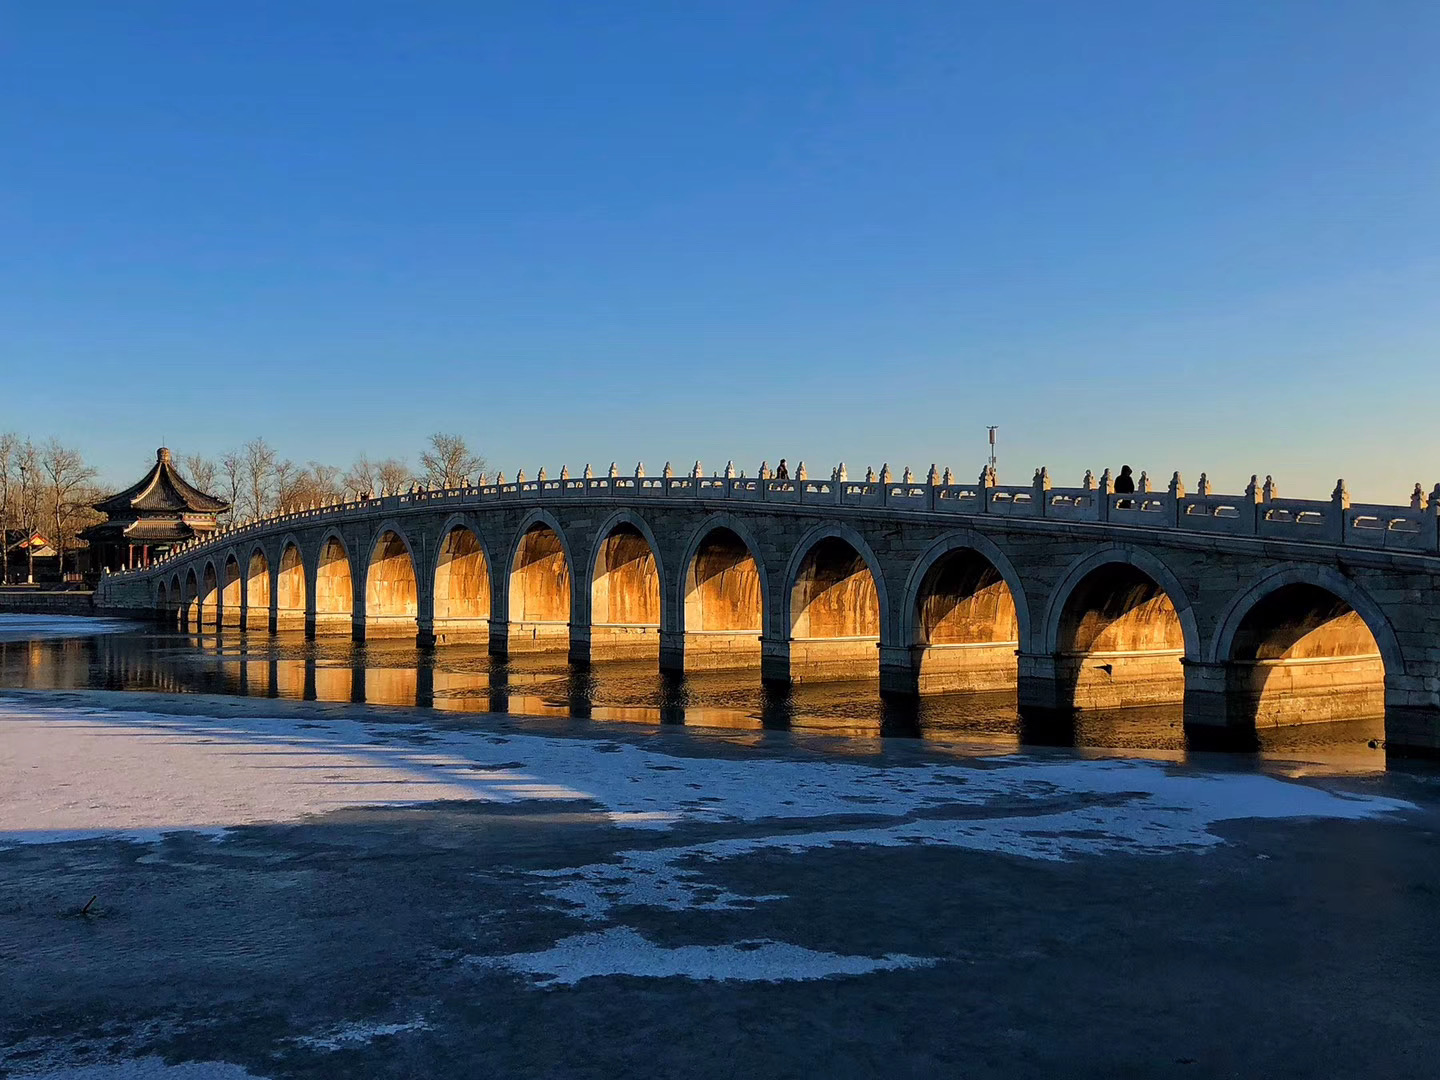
77,654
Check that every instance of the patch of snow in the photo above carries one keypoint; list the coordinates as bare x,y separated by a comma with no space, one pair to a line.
1149,809
68,773
623,951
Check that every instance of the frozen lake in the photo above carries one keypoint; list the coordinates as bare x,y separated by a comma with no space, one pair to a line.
200,883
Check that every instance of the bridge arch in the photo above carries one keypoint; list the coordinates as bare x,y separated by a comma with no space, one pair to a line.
538,592
230,588
257,588
162,601
623,597
176,610
724,595
334,585
965,613
190,602
460,583
1305,644
208,607
392,585
834,607
292,587
1119,624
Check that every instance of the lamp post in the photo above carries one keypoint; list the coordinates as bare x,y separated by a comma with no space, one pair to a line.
25,506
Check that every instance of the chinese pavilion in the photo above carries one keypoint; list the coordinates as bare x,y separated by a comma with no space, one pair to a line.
149,518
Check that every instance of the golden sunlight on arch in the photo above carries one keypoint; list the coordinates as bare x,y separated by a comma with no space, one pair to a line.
539,592
625,597
834,615
1120,641
462,588
724,604
966,626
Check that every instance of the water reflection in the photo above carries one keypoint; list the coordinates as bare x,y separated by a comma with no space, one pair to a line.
465,679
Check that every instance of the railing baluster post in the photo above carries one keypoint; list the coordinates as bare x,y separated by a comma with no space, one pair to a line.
1340,504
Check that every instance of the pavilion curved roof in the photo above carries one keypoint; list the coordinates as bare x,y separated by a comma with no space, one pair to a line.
161,490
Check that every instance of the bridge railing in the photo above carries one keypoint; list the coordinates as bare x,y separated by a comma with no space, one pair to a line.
1299,519
1254,514
1404,529
1230,514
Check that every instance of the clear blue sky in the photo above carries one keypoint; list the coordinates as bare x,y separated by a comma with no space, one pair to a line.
1197,236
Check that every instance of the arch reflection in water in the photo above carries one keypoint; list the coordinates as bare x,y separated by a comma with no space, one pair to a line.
465,679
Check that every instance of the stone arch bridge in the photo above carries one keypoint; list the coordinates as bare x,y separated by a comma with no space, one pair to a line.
1251,610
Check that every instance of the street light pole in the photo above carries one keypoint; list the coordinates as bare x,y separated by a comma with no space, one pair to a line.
27,507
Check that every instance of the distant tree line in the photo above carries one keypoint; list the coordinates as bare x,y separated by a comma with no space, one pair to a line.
256,481
46,488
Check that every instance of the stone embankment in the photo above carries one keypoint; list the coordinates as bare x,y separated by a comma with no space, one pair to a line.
33,600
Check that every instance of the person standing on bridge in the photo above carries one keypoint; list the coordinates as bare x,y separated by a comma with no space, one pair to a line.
1125,485
782,471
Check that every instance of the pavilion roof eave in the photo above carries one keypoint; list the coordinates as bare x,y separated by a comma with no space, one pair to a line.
161,489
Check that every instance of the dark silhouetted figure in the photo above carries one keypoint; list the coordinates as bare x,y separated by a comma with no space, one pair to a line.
1125,485
783,473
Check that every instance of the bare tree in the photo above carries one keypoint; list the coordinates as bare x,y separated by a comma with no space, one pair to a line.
232,472
200,471
360,479
394,476
82,513
65,471
258,472
315,483
448,461
285,486
27,465
9,445
325,479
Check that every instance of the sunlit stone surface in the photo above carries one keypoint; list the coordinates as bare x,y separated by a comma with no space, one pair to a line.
1228,607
